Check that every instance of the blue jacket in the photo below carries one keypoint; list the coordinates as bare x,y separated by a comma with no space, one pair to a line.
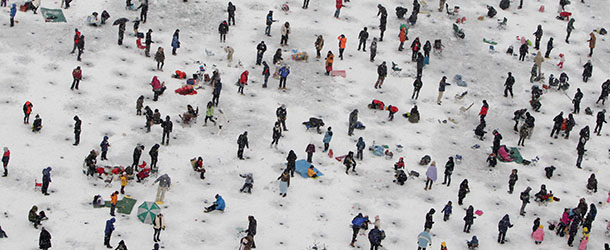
13,10
217,88
104,145
220,202
360,145
46,174
359,220
327,137
447,209
284,71
109,226
375,236
175,42
423,239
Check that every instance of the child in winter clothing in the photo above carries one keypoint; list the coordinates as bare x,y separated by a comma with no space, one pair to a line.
247,188
311,172
538,235
561,61
447,211
209,114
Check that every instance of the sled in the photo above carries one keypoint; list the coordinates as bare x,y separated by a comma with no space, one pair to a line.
340,158
301,167
490,41
186,90
209,53
464,109
478,212
461,96
338,73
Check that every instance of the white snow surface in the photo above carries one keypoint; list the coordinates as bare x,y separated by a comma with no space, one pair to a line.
37,66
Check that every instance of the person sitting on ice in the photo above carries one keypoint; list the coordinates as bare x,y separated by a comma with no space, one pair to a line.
37,126
93,20
247,188
413,116
400,164
219,204
400,177
312,173
473,243
542,195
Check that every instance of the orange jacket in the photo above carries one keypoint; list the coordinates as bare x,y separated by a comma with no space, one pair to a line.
403,34
330,59
113,198
342,42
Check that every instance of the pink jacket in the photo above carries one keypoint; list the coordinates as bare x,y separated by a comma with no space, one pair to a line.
155,83
538,235
583,243
565,218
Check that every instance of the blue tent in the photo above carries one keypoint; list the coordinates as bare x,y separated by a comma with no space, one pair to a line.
302,166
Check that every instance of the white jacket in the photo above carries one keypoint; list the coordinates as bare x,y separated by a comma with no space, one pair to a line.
159,222
285,30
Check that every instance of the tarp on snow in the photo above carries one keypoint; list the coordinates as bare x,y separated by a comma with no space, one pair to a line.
302,166
123,206
514,155
53,15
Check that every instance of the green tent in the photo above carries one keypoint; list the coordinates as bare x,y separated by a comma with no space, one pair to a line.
123,206
53,15
148,211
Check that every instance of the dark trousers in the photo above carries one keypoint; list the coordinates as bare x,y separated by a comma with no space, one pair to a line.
591,52
521,141
45,187
122,189
363,44
104,155
522,210
266,80
231,19
548,52
153,162
26,118
305,4
223,37
215,99
415,94
414,55
107,239
447,179
579,160
80,52
467,227
121,34
174,51
5,169
508,91
12,21
446,217
318,53
268,30
143,16
381,31
373,54
147,50
522,57
326,145
76,137
309,156
259,58
165,133
246,188
401,46
112,208
341,53
275,141
598,128
283,123
501,237
374,247
537,43
571,238
511,187
428,183
355,230
284,40
240,153
555,130
576,107
568,36
156,235
359,154
282,82
160,65
75,84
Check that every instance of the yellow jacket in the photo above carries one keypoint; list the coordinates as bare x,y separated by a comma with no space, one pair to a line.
123,181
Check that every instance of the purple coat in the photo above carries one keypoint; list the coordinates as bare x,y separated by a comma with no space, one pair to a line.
431,172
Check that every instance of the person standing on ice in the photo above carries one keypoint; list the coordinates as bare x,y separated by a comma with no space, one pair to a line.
429,219
77,36
158,225
549,47
251,231
601,119
449,166
44,240
483,111
144,11
383,20
148,42
260,51
382,72
310,150
525,198
175,41
353,119
290,162
248,183
81,47
591,43
415,47
268,21
569,29
375,237
360,145
137,152
167,126
13,12
154,156
231,12
441,89
281,114
430,176
359,222
104,147
447,210
165,183
503,226
338,5
122,27
216,92
342,42
6,156
424,240
557,121
284,182
108,232
417,85
77,75
469,219
588,70
326,140
305,4
523,50
330,58
283,72
285,32
538,60
243,81
223,29
373,48
242,141
319,44
27,110
277,133
113,200
362,37
538,35
266,73
464,189
160,58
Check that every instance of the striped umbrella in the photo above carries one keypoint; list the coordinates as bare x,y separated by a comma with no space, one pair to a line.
148,211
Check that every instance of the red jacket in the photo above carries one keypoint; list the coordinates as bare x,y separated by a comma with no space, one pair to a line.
392,109
483,110
339,4
77,74
244,78
77,37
